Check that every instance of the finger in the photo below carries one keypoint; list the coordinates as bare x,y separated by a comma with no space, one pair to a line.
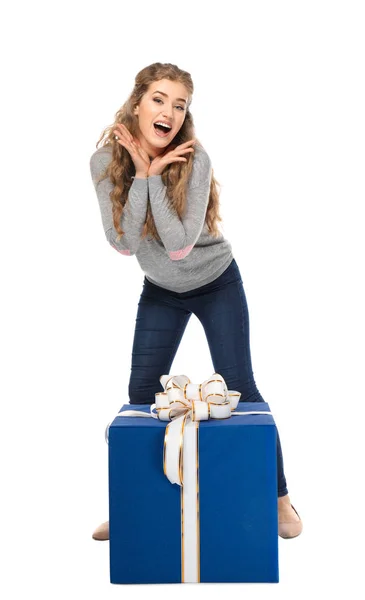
187,150
179,149
137,144
127,145
123,130
182,151
121,140
173,147
175,158
133,148
124,140
119,134
185,144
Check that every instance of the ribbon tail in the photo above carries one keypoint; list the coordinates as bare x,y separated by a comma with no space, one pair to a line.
173,449
190,511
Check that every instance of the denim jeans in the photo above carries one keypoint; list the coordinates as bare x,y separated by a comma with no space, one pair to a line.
221,307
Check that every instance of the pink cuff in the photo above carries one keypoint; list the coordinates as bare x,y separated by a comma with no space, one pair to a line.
179,254
125,252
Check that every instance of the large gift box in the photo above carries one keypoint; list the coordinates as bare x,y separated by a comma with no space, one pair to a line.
193,487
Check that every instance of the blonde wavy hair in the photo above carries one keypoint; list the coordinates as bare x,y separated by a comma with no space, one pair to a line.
175,176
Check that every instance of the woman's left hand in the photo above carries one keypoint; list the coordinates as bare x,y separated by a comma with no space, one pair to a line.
159,163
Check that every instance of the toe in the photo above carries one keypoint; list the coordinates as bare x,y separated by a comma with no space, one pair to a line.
101,532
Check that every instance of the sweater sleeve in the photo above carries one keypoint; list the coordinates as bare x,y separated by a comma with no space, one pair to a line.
179,235
134,211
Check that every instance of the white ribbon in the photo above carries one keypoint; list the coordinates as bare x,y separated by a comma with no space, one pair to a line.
184,404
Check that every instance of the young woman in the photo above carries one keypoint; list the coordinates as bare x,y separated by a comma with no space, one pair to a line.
159,201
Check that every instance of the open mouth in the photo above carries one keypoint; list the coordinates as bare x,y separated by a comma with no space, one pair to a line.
161,131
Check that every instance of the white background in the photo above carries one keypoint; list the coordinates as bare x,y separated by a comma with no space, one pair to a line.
279,106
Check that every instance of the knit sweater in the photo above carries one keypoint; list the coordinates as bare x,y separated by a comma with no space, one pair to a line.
187,256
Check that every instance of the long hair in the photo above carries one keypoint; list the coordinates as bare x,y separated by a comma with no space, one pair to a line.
175,175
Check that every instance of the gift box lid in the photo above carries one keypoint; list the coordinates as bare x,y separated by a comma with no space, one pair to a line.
247,420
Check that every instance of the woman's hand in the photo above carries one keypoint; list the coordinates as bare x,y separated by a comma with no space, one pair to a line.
158,164
139,156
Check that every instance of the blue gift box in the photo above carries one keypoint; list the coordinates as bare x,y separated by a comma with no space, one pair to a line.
237,501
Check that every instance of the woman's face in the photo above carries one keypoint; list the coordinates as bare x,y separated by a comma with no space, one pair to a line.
164,101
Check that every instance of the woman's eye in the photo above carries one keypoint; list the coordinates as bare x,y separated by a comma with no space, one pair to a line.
159,100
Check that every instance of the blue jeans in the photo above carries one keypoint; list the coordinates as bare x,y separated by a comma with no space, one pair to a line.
221,307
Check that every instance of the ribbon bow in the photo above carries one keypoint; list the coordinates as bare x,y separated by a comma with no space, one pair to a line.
207,400
183,402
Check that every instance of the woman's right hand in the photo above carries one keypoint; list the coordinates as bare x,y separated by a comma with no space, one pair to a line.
139,156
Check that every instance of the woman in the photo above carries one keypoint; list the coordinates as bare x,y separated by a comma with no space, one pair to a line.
158,200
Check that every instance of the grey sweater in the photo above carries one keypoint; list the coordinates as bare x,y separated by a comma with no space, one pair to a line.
188,256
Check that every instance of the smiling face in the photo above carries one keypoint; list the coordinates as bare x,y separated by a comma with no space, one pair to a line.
165,101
